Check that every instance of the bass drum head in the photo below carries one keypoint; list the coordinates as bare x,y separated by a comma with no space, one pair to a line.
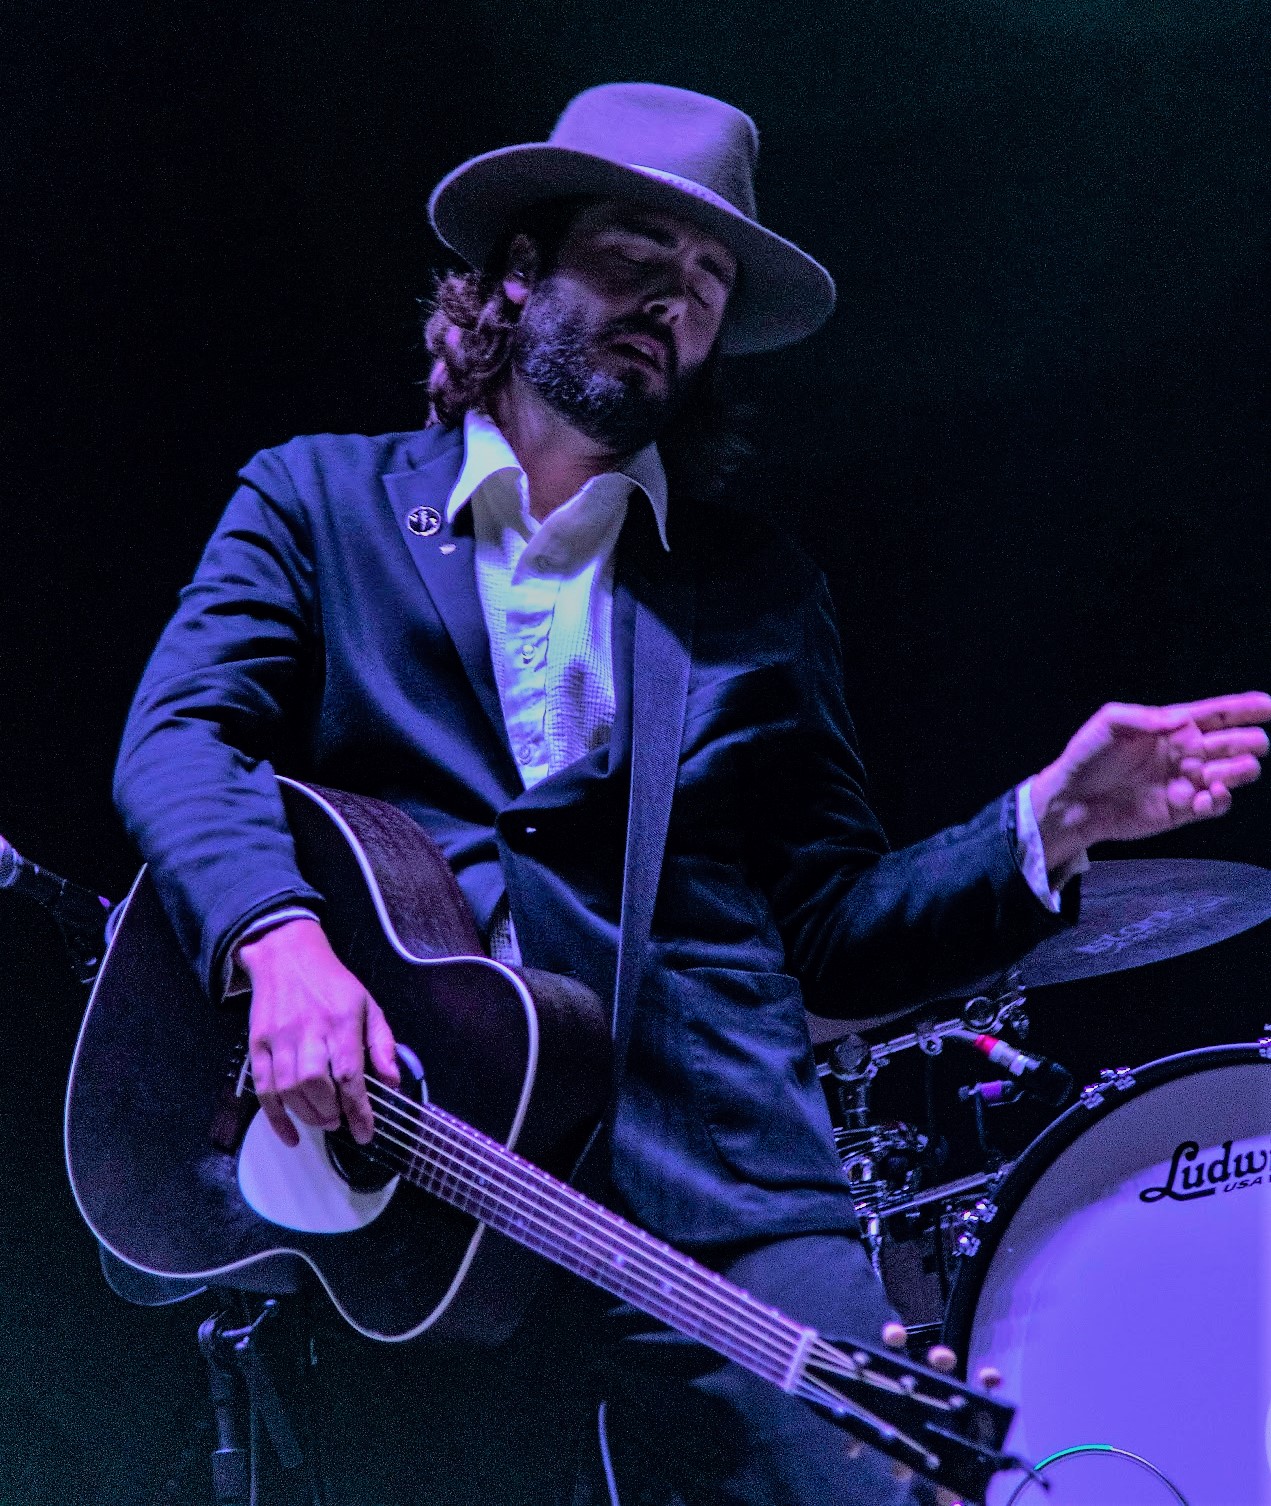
1123,1290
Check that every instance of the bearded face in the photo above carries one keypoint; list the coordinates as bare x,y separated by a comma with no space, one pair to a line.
616,379
617,331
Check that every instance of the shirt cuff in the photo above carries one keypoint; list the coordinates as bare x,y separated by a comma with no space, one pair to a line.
1032,854
234,978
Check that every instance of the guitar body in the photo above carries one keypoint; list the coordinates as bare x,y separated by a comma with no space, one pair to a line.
177,1173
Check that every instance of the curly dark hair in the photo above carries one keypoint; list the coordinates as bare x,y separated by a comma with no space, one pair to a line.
468,328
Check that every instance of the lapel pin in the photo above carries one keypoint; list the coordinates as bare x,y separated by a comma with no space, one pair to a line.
447,548
423,521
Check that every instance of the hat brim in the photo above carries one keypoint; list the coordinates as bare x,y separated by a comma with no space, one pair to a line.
782,293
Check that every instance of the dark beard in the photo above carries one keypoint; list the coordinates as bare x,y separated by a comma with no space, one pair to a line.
550,351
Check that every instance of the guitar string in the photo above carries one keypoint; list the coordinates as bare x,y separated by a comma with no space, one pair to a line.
707,1295
747,1350
807,1386
589,1242
678,1312
569,1203
702,1283
717,1298
779,1347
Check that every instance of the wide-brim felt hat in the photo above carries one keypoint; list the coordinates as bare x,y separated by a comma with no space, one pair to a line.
668,148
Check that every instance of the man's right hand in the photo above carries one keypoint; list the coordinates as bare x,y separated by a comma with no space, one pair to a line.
312,1026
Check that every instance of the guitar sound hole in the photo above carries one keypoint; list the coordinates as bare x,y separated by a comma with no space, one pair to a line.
367,1168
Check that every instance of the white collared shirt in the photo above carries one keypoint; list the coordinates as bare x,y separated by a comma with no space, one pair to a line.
546,593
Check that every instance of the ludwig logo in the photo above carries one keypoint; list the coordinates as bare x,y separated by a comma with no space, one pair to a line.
1191,1176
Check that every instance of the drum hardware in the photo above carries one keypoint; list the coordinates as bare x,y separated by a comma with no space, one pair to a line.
1264,1045
948,1192
985,1014
881,1163
852,1066
1111,1080
916,1242
853,1063
956,1220
959,1225
885,1164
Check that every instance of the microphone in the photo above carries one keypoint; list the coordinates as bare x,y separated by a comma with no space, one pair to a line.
1036,1075
75,908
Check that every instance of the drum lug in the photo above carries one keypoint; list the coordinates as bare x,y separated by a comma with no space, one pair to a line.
1120,1080
1264,1045
962,1223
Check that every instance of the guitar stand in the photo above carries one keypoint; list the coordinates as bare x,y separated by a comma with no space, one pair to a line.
243,1396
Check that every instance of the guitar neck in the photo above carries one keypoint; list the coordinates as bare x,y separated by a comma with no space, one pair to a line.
448,1158
926,1420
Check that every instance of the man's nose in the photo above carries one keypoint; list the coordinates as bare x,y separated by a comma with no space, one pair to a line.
668,299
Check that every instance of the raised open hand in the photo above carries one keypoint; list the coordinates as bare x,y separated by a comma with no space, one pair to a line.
1133,771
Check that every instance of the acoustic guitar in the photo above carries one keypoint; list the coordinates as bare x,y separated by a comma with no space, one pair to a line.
435,1226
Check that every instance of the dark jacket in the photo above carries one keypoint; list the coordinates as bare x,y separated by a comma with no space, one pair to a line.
324,638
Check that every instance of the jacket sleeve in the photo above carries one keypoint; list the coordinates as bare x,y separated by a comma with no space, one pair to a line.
865,925
195,778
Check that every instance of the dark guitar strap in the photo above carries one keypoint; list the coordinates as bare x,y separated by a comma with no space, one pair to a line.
661,655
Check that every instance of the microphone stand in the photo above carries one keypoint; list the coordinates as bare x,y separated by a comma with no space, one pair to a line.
237,1375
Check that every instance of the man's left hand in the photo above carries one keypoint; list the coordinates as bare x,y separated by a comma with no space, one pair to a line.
1134,771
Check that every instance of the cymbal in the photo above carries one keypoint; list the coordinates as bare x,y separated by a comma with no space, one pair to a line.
1133,911
1137,911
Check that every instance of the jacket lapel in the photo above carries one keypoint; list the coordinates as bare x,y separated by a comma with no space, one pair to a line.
443,555
654,602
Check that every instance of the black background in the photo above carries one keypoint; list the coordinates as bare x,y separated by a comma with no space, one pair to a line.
1030,449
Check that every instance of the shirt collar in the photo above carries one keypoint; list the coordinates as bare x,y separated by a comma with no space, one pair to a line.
486,453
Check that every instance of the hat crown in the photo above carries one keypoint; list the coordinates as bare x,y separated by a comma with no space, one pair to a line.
666,130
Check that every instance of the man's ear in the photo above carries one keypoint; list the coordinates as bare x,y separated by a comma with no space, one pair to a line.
522,270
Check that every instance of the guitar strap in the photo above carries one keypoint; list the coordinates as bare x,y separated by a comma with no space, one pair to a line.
661,656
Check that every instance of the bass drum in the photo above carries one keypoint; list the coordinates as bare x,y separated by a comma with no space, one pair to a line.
1123,1290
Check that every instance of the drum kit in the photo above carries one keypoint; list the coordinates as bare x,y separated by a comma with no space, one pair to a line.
1116,1271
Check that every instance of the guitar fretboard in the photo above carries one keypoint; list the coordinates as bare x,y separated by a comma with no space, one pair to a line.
448,1158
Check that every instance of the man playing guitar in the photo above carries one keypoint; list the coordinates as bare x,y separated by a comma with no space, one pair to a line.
553,631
